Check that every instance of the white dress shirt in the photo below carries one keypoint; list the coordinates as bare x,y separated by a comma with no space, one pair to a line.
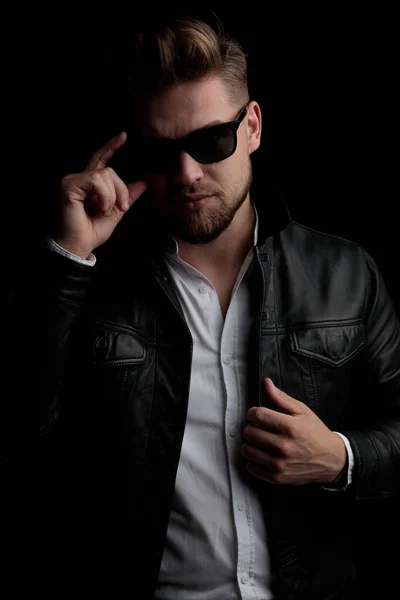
216,545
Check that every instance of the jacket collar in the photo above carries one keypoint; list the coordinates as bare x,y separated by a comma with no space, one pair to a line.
273,212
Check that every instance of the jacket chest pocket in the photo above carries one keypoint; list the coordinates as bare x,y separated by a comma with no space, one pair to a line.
325,358
120,387
117,348
118,356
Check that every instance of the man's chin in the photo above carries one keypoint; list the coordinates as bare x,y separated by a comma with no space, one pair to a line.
199,238
198,232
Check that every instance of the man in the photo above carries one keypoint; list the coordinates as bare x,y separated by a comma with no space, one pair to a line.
223,387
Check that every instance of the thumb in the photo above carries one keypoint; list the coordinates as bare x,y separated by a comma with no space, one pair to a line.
136,189
282,400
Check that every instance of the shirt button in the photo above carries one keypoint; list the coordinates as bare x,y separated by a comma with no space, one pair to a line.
203,289
245,578
233,432
227,360
241,506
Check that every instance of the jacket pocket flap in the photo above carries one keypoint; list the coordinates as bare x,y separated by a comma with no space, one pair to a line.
333,345
113,347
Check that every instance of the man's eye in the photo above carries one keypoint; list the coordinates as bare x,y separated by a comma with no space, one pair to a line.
221,135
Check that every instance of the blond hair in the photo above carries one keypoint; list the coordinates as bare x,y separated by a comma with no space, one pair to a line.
188,49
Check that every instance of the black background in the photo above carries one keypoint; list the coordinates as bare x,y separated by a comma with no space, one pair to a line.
326,83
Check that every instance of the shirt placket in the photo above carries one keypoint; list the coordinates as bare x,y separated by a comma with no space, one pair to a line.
234,416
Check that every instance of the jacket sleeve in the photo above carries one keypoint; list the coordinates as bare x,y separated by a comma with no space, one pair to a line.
66,286
375,385
47,299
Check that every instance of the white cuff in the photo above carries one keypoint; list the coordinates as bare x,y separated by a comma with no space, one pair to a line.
52,245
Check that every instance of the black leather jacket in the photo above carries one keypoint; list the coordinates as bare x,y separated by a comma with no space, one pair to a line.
117,360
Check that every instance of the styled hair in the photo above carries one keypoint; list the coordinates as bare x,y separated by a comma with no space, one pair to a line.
187,49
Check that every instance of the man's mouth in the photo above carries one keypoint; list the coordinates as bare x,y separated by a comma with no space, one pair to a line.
195,197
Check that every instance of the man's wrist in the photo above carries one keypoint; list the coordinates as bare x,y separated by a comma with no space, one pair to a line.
341,478
56,247
79,252
338,465
338,474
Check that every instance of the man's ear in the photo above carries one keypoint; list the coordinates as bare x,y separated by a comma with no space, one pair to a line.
253,126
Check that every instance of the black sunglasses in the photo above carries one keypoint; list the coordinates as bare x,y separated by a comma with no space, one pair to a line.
208,145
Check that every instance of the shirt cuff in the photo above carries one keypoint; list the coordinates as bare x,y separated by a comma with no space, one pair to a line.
350,457
52,245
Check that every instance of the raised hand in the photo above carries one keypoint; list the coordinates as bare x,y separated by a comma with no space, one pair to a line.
93,202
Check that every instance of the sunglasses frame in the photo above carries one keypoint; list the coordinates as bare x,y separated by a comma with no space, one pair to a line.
183,144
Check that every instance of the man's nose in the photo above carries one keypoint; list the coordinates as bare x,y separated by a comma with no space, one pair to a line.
187,169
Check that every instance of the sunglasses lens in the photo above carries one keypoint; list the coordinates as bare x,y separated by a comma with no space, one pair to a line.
213,145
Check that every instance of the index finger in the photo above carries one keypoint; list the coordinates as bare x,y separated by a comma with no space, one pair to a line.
101,157
269,419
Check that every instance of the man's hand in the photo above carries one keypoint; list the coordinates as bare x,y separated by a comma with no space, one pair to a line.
93,202
293,447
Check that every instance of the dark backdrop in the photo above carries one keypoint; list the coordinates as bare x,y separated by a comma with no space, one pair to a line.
325,81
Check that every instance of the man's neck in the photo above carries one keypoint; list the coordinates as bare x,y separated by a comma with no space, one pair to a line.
228,251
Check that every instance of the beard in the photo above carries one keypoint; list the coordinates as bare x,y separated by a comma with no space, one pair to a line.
205,225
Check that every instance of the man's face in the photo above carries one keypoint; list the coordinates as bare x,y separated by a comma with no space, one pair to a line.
176,113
